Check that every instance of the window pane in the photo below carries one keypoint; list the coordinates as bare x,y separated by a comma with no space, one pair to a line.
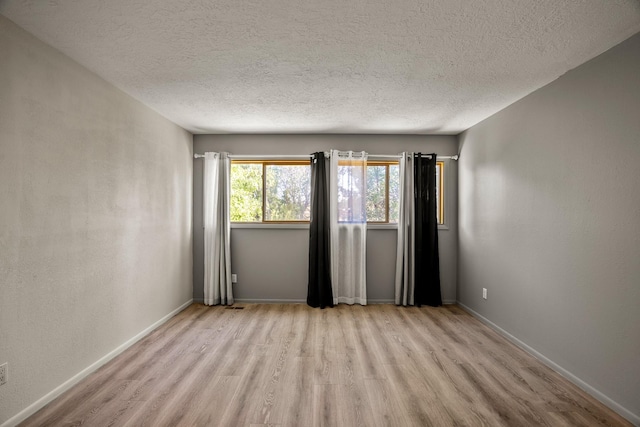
394,192
376,193
288,192
439,204
246,192
351,200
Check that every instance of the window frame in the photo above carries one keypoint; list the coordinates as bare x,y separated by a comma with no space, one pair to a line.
265,163
442,198
385,163
440,184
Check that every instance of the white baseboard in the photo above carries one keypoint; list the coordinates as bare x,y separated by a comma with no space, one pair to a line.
47,398
299,301
621,410
289,301
269,301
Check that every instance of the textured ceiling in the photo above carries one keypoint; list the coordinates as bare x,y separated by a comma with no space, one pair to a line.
357,66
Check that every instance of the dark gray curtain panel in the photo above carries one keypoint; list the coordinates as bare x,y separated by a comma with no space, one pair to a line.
427,262
319,292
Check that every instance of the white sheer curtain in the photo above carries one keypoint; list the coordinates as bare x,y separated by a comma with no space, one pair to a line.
217,230
348,186
405,278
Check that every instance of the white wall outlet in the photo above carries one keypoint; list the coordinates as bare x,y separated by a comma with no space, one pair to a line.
234,278
484,293
4,373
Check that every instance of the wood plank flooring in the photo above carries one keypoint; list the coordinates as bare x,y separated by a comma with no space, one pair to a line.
291,365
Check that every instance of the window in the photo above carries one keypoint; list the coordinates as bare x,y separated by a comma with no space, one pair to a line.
270,191
440,192
279,191
351,200
383,192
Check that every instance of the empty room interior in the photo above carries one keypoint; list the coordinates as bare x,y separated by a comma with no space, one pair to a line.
286,213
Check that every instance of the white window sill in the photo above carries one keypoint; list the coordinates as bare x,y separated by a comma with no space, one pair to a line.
305,226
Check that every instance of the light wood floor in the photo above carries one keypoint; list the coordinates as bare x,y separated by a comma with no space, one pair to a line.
292,365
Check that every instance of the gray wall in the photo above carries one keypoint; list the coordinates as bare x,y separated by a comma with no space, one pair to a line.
272,263
95,218
550,223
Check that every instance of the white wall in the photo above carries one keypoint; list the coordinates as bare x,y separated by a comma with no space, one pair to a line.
272,264
95,218
550,223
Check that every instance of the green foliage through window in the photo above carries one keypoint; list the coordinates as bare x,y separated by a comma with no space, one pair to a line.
270,191
383,191
288,192
246,192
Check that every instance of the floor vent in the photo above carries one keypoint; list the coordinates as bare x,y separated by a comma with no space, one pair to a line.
233,308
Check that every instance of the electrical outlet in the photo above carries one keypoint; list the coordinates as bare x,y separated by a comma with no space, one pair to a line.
234,278
4,373
484,293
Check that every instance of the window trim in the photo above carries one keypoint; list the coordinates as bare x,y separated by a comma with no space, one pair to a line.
445,205
441,195
381,225
265,163
386,164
